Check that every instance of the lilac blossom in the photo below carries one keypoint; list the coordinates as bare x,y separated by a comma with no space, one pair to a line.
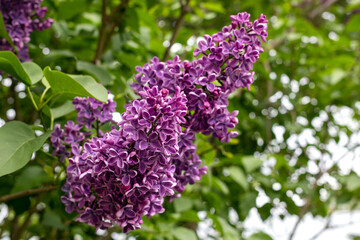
125,174
90,112
122,175
21,18
226,64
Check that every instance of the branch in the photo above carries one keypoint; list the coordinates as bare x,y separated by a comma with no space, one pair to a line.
329,226
108,26
102,33
184,10
27,193
269,93
302,213
17,235
320,9
121,7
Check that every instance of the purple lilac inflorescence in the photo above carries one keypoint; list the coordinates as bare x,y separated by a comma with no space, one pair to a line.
207,82
125,175
91,113
122,175
21,18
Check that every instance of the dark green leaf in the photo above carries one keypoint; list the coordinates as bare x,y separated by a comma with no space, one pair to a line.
78,85
182,233
182,204
100,74
51,219
10,64
62,110
31,177
17,143
239,177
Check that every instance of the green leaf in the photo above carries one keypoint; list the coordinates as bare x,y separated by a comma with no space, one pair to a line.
71,8
132,19
247,201
34,71
4,33
189,216
182,204
239,177
78,85
352,182
229,232
31,177
62,110
213,6
17,143
260,236
220,185
100,74
182,233
10,64
251,163
51,219
353,24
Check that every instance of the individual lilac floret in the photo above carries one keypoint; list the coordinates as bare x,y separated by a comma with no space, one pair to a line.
21,18
226,64
91,111
126,174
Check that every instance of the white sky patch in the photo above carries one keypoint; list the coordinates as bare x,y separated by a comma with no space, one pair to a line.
116,117
285,102
176,47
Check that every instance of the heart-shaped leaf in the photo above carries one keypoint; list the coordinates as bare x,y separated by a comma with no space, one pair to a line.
34,71
100,74
10,64
78,85
17,143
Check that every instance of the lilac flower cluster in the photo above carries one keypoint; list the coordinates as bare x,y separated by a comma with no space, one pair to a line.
127,173
225,65
21,18
122,175
90,112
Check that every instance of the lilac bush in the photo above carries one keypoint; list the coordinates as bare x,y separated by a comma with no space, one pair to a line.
120,176
21,18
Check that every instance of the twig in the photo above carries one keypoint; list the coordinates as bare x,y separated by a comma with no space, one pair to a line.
269,88
328,226
108,22
102,33
352,13
302,213
320,9
184,10
121,7
27,193
17,235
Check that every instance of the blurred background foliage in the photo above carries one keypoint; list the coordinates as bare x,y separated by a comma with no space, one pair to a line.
298,148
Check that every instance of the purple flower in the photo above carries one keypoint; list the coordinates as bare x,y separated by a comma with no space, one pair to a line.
125,174
21,18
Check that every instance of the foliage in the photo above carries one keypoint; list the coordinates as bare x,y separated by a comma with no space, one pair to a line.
302,109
